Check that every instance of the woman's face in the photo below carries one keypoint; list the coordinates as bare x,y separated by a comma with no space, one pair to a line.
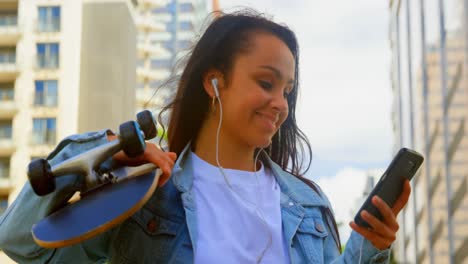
255,97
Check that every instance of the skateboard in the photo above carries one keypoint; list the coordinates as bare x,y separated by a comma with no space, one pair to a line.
108,197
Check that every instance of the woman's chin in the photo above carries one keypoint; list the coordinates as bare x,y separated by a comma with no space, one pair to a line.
264,144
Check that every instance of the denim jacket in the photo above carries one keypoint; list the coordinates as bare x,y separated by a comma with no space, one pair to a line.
164,230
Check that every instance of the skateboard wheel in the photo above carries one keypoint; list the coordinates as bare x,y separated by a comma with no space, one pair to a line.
147,124
40,176
131,139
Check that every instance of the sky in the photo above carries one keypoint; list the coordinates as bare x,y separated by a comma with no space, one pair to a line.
345,98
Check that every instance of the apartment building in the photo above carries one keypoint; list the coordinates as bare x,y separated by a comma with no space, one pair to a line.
167,30
65,67
430,87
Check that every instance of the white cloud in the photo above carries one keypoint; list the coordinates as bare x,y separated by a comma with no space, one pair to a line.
345,100
345,192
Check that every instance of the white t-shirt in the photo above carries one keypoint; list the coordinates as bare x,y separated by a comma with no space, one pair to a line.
230,229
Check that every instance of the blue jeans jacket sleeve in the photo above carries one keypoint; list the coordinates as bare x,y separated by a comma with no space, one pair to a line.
28,208
357,250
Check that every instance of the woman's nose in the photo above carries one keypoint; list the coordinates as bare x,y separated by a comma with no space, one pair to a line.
280,102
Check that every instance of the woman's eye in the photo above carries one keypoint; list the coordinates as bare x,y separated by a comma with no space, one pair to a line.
265,84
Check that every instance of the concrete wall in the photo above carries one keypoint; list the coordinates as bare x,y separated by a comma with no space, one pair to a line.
108,63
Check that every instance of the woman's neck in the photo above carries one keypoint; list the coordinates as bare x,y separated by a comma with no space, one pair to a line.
231,154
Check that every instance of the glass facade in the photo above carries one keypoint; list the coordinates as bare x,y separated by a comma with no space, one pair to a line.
181,20
430,108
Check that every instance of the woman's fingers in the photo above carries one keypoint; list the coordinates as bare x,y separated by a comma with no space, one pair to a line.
377,240
387,213
164,160
383,232
378,226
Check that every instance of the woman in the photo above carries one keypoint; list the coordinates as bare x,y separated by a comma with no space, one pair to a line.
235,194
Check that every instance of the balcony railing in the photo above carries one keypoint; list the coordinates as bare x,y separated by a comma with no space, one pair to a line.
9,30
7,58
41,99
8,66
44,138
47,62
7,146
8,20
8,109
7,95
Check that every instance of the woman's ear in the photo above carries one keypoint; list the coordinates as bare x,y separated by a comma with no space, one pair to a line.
208,82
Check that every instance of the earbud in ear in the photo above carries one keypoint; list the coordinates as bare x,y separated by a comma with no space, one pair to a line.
214,82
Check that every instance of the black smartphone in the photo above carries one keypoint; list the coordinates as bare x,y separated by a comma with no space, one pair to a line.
403,166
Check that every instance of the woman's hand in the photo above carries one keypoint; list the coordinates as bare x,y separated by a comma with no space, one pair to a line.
164,160
383,233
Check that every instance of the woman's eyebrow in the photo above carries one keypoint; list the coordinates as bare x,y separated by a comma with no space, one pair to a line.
276,72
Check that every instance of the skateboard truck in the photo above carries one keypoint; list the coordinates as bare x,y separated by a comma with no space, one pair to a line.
131,139
96,210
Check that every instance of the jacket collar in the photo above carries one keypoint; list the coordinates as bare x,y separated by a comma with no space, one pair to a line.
295,189
292,189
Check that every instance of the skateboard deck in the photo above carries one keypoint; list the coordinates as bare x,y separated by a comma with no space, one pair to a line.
95,212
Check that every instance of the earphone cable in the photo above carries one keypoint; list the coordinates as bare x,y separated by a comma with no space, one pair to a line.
221,169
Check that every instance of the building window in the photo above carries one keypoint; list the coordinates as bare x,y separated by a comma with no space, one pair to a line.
185,7
44,131
8,19
5,129
49,19
8,55
161,64
48,55
185,25
184,44
7,92
168,45
45,93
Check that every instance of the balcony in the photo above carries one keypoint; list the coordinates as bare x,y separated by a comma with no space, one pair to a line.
10,32
146,50
148,24
8,109
6,186
7,147
8,67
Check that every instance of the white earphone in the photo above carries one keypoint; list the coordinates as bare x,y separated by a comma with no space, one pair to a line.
214,82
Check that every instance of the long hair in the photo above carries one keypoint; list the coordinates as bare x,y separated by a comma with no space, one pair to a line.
224,39
227,36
